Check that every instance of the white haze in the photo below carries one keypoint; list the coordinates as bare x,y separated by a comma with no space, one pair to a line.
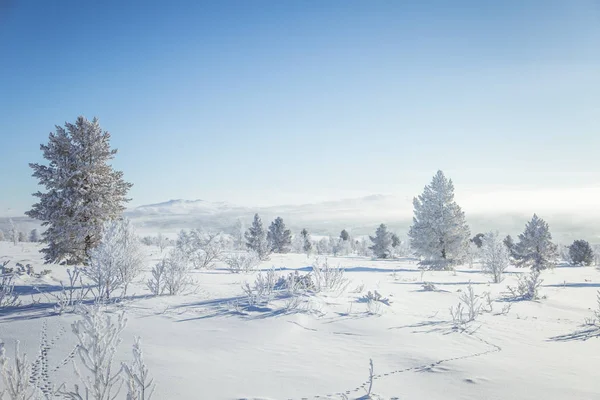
572,213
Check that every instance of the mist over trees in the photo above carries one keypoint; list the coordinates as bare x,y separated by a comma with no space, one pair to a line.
82,190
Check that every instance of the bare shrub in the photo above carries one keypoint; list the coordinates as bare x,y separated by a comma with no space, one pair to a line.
176,273
98,336
261,292
156,284
295,283
374,301
471,302
116,261
527,286
457,314
139,384
494,256
328,278
8,296
16,377
71,295
170,275
468,308
201,248
242,262
428,287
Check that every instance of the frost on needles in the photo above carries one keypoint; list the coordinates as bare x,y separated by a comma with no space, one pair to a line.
82,190
439,234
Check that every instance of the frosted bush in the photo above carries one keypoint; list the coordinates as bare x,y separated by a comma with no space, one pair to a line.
374,296
8,296
494,256
527,286
139,384
69,296
261,291
468,308
98,336
176,273
17,377
117,260
328,278
201,248
296,283
242,262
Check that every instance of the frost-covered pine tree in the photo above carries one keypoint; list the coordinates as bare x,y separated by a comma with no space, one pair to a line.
279,238
439,233
13,232
535,248
306,242
82,190
256,238
34,236
382,242
238,234
581,253
324,246
494,256
1,235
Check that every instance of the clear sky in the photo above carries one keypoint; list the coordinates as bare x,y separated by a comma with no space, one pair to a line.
269,102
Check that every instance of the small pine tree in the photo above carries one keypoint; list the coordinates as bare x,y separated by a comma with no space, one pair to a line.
395,240
307,242
581,253
256,238
439,232
238,234
34,236
478,240
1,235
279,238
510,245
382,242
535,248
344,235
13,232
82,190
22,237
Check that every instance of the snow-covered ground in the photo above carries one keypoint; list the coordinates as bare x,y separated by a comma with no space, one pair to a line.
199,346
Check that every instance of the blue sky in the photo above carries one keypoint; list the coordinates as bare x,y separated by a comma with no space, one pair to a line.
262,103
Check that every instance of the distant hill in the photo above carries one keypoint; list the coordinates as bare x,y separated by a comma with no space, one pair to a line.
359,215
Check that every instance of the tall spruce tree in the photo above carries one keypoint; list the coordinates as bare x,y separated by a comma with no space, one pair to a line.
82,190
439,232
279,238
382,242
256,238
535,248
